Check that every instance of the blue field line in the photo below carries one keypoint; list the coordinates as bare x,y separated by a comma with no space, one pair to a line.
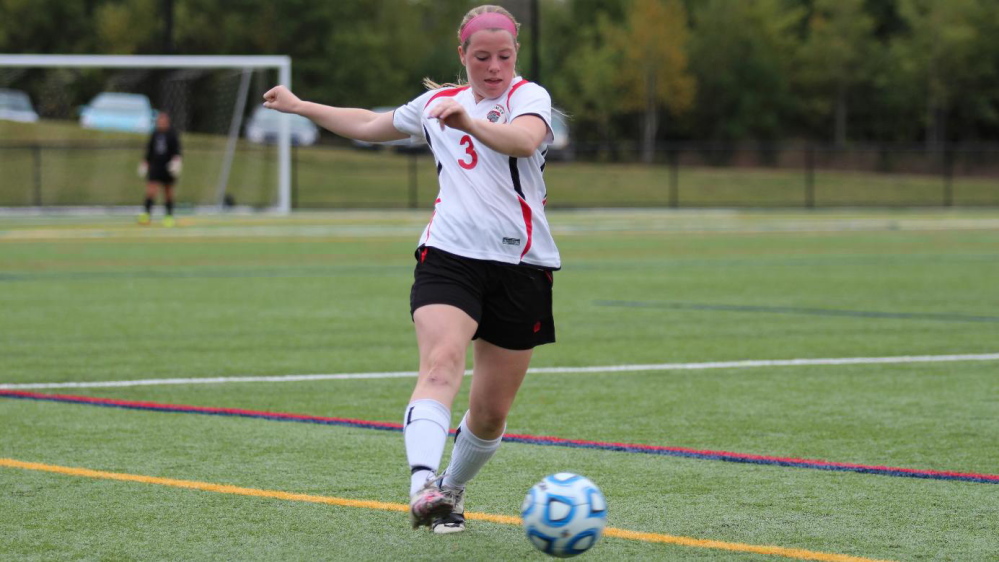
724,456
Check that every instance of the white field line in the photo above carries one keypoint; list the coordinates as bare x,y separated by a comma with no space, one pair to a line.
539,370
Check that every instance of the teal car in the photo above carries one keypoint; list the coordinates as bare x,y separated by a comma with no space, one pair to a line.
119,112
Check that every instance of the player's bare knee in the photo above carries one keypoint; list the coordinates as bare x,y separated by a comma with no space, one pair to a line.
446,358
443,369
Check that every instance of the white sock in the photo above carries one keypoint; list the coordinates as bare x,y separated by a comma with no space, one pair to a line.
470,454
424,430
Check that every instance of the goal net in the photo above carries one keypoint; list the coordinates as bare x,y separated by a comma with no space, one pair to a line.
74,128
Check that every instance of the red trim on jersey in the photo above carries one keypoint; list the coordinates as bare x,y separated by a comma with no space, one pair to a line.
448,93
431,223
528,223
512,90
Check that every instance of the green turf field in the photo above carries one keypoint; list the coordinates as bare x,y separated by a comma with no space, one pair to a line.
668,294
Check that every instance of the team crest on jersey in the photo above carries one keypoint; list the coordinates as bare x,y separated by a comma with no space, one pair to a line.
496,114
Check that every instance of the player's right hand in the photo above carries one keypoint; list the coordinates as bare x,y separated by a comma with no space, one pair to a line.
281,99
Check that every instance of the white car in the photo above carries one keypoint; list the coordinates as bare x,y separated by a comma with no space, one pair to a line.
15,105
263,128
118,111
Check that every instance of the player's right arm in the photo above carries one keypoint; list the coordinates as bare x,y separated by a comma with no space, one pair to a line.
353,123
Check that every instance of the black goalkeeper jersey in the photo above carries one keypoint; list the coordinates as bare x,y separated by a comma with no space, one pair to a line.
163,146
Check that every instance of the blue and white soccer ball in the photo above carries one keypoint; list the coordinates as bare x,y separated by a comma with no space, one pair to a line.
564,515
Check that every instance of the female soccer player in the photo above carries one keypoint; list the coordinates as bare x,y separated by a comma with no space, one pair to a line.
160,168
484,262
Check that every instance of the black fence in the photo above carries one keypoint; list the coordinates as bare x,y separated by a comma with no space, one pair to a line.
810,175
679,176
705,176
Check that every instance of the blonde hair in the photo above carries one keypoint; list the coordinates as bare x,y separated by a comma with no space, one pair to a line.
484,9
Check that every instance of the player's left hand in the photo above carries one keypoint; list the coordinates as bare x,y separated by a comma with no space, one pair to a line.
281,99
175,166
452,114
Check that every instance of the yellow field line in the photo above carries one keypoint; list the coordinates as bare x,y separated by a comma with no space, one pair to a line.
797,553
203,486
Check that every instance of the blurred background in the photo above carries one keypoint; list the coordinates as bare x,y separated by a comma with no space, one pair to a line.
777,103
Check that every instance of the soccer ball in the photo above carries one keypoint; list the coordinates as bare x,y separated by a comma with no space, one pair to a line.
564,515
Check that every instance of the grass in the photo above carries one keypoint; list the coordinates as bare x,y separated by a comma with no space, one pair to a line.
97,299
337,177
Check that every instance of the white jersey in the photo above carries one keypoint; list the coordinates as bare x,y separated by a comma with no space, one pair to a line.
490,205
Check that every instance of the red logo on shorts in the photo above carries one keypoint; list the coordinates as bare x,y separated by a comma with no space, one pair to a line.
537,327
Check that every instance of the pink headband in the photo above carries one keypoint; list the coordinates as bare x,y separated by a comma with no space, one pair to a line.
488,20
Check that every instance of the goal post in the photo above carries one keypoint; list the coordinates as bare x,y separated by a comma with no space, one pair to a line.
244,64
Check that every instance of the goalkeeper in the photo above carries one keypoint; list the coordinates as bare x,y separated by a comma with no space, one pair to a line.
161,168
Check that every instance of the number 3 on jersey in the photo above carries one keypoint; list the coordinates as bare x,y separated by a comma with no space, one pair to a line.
470,151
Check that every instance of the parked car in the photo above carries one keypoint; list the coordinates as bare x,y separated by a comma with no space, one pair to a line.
15,105
407,145
263,128
561,148
119,112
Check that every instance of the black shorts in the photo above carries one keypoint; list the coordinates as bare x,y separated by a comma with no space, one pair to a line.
511,303
160,174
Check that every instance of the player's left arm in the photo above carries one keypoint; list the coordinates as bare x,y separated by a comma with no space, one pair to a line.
520,138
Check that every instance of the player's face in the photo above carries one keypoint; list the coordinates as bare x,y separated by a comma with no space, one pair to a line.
491,61
162,122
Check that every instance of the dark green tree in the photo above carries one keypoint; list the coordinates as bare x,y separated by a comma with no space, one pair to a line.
741,55
585,85
46,26
835,57
947,54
